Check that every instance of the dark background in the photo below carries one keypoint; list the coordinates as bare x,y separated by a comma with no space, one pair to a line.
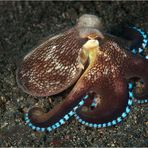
22,25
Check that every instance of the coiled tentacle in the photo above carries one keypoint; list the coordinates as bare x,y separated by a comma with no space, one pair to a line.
108,112
140,70
108,109
137,44
40,121
139,47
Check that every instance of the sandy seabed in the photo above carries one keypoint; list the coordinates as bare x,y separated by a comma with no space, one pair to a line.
22,25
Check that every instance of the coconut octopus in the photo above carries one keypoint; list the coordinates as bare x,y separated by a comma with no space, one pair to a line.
100,68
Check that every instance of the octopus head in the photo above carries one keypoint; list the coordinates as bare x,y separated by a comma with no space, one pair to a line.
90,21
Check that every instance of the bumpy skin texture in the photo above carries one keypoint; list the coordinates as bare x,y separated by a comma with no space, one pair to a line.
95,62
60,66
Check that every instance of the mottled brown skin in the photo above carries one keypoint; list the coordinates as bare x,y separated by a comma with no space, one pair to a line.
49,69
108,77
60,61
53,67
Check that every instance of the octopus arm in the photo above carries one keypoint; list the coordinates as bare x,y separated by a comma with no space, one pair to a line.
38,120
109,89
138,67
139,43
137,37
113,105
